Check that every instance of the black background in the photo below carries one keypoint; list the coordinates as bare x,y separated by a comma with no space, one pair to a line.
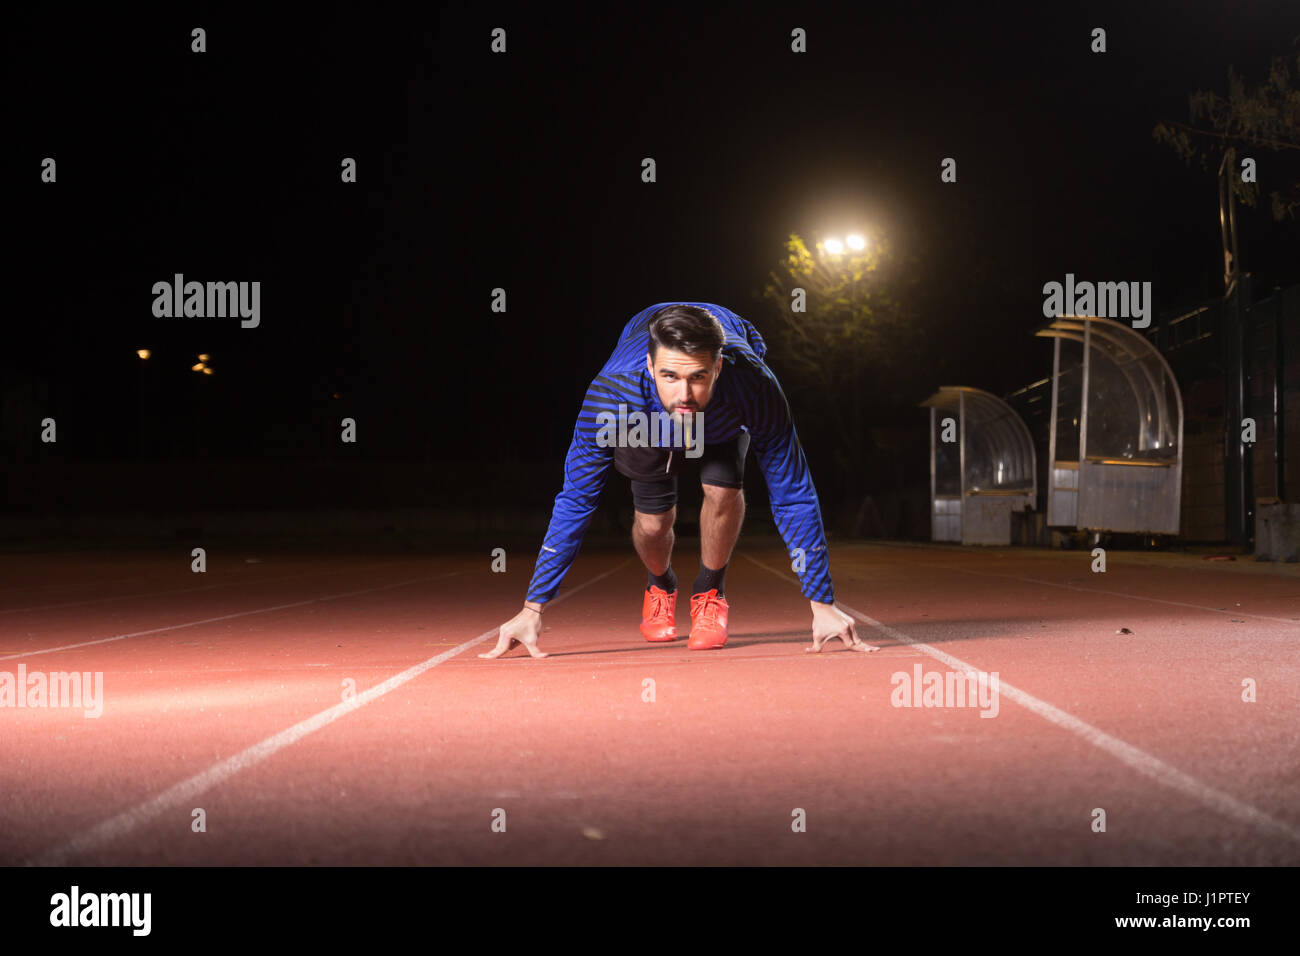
523,171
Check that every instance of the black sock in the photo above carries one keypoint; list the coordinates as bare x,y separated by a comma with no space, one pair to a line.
667,580
710,579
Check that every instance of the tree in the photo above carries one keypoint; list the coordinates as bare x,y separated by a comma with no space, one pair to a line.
848,349
1266,117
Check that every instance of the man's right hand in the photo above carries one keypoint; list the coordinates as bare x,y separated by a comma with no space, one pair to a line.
524,628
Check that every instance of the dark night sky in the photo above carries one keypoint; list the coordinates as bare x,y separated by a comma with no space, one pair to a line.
523,171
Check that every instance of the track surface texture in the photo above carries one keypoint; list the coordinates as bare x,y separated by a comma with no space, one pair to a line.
329,707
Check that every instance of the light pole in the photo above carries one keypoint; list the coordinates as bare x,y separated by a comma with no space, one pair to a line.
835,268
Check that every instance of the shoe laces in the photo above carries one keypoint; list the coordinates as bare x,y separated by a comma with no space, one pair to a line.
658,604
707,606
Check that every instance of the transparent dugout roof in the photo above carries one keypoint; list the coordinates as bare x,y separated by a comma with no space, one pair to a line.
1133,411
999,451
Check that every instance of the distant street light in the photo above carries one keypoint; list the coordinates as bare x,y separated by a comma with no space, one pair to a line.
143,353
832,266
857,242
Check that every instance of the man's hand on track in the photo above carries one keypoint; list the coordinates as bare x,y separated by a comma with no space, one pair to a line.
524,628
829,622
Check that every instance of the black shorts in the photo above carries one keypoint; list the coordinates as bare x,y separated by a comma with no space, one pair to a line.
653,471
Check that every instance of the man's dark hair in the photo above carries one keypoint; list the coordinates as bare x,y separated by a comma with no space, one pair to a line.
686,328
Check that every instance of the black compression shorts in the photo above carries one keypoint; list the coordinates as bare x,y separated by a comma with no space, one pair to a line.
653,471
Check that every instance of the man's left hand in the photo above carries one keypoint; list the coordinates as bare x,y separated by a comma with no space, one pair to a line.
829,622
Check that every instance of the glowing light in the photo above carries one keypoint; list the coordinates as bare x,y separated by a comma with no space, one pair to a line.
856,242
207,371
204,357
143,353
197,368
834,246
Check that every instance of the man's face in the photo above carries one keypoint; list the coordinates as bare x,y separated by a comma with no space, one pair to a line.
684,382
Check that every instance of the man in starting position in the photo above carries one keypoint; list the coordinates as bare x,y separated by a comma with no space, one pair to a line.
693,364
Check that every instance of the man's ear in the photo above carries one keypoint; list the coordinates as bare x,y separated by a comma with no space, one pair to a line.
649,364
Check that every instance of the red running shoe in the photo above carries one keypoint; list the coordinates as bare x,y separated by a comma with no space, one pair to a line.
708,621
659,615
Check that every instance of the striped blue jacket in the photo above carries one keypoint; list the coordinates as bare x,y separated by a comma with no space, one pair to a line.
746,397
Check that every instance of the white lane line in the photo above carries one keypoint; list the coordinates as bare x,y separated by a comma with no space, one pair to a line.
1135,597
140,594
184,792
224,617
1139,760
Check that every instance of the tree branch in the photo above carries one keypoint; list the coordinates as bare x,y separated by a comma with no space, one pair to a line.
1240,137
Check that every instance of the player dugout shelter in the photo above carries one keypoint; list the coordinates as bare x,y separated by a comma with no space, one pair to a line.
982,466
1116,439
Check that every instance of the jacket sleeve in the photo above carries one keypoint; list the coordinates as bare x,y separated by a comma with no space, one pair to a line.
756,341
586,467
795,507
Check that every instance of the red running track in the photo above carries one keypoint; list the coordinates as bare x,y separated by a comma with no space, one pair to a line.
224,691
